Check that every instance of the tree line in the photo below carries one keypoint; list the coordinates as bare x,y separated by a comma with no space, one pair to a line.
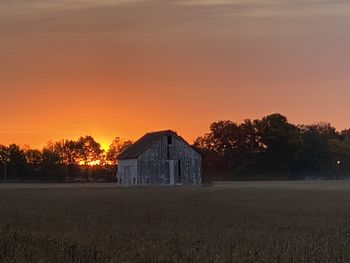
65,160
273,148
266,148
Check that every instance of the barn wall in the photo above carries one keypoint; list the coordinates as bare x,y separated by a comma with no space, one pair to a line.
155,172
190,162
127,171
153,164
157,151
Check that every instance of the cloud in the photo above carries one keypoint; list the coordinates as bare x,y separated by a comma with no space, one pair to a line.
270,8
24,7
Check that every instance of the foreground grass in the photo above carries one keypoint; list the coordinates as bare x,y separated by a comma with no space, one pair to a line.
213,224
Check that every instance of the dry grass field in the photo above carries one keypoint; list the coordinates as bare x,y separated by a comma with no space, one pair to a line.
232,222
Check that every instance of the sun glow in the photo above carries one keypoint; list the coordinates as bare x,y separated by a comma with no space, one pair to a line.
105,143
92,163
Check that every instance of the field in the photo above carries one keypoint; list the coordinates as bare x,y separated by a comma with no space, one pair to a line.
228,222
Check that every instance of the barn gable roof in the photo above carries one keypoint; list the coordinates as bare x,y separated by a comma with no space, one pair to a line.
138,147
142,144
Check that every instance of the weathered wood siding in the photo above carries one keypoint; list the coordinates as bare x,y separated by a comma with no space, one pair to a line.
189,160
154,164
127,172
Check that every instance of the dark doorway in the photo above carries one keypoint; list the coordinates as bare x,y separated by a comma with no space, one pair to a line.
179,172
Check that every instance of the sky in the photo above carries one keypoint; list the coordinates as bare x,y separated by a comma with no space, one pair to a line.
112,68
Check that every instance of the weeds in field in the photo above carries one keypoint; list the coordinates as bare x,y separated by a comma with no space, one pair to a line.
174,225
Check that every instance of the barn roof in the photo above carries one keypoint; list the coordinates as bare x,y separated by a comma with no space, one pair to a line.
138,147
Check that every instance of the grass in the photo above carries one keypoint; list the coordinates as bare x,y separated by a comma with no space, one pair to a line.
248,222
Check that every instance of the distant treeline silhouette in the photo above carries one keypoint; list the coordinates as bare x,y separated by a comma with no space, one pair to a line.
65,160
267,148
273,148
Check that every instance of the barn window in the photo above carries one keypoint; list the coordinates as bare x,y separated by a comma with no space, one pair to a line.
170,140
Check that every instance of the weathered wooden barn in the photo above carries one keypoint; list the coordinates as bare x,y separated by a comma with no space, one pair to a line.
160,158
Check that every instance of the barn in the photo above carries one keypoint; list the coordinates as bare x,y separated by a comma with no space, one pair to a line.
160,158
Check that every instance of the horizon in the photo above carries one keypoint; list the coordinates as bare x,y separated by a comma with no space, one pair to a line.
106,144
123,68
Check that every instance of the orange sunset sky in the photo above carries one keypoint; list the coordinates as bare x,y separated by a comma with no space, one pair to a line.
124,67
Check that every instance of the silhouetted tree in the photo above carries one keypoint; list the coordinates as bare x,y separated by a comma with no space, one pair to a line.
269,148
221,143
34,160
68,150
70,154
51,166
17,168
249,145
280,142
316,158
116,147
90,153
229,146
4,160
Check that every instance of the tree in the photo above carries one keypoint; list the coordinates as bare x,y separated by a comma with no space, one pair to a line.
17,168
249,144
345,134
221,143
229,146
70,154
116,147
339,151
68,150
51,166
34,160
316,157
89,150
90,153
4,160
4,154
281,142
